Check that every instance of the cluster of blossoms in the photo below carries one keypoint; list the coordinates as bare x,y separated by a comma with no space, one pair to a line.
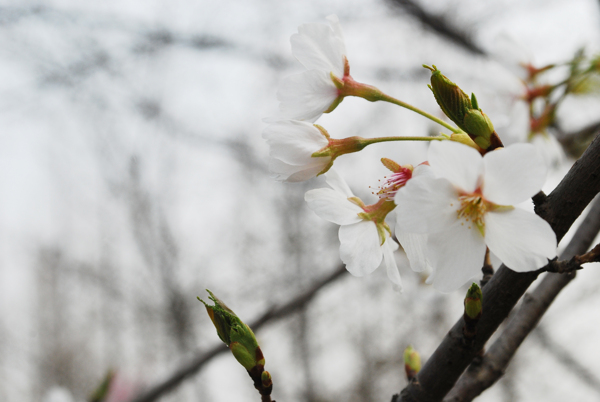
450,209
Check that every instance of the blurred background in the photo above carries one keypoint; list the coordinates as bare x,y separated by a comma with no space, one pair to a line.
133,176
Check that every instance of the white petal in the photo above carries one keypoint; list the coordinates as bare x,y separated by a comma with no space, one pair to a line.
306,96
293,142
423,171
415,247
513,174
460,164
293,173
388,247
426,205
334,23
318,47
522,240
333,206
456,255
333,178
360,249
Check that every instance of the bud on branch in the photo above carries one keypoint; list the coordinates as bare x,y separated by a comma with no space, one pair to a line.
241,341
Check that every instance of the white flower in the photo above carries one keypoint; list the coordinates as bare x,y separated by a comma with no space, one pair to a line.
468,206
292,144
321,50
364,242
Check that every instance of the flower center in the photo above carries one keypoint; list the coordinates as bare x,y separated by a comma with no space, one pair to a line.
391,185
473,208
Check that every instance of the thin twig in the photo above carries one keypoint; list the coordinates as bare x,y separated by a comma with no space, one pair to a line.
482,376
584,374
487,270
506,287
439,25
193,366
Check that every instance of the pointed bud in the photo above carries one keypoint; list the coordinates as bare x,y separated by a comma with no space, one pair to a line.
101,393
463,111
266,379
412,362
235,334
473,302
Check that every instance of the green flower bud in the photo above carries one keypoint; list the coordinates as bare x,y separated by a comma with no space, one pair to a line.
266,379
473,302
412,362
463,111
235,334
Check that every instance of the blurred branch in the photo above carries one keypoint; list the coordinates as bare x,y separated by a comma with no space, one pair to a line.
274,313
574,143
483,375
439,25
506,287
566,359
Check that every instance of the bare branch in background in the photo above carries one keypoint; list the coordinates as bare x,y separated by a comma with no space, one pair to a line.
560,209
440,25
193,366
483,375
574,143
584,374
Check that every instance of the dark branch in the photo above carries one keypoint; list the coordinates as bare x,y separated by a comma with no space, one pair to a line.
193,366
506,287
439,25
480,377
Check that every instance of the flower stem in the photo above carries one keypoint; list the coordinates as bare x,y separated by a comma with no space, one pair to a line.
387,98
368,141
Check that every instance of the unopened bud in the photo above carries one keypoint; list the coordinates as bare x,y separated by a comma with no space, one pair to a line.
473,302
463,111
235,334
265,377
412,362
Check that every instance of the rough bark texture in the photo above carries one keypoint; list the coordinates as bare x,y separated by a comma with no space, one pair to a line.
559,209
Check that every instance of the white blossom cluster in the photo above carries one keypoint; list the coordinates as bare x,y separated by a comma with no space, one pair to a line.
449,210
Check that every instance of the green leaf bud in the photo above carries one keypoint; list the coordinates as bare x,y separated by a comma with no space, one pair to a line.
101,393
412,362
235,334
473,302
266,379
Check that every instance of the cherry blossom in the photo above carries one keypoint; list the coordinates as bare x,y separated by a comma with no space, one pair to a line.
292,144
365,238
468,204
321,50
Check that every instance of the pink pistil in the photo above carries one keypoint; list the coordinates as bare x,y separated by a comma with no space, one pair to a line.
391,186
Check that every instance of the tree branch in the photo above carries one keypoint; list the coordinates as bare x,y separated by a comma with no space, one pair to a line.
574,143
439,25
561,354
193,366
506,287
480,377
